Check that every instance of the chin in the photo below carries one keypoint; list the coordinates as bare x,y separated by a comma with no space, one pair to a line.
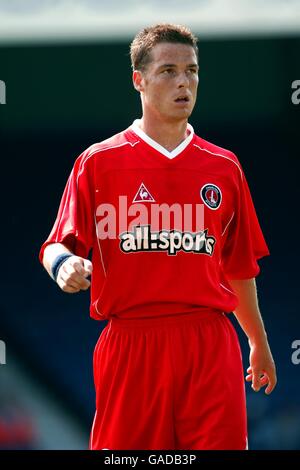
184,114
178,115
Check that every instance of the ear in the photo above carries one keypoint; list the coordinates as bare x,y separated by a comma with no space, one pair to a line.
138,80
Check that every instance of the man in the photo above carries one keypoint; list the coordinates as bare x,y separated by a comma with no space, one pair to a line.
175,242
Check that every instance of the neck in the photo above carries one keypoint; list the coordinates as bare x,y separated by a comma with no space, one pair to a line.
168,134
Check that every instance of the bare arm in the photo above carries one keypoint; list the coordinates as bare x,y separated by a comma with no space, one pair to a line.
73,272
262,369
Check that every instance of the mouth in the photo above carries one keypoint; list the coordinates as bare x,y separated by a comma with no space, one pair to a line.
182,99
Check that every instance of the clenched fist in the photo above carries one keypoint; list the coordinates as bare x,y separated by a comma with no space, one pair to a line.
73,273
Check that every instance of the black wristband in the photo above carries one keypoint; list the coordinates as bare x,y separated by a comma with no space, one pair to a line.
59,260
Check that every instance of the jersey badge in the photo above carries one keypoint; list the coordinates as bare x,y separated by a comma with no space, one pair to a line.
211,195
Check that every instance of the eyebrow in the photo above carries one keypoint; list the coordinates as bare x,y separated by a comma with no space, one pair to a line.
174,65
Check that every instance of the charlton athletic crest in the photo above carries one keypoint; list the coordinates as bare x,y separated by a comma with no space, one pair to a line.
211,196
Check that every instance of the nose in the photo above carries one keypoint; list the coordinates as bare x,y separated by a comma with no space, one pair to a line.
183,80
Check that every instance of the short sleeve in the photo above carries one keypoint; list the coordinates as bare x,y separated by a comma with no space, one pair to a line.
74,223
244,241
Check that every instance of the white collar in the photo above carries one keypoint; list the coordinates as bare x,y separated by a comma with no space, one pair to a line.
138,131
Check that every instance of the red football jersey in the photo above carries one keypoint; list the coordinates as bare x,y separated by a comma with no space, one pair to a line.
167,229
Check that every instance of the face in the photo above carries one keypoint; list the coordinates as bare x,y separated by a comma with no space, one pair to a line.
169,83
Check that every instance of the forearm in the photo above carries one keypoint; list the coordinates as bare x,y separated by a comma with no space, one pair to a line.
247,311
262,370
51,252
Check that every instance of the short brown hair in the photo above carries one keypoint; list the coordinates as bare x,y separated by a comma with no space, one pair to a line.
146,39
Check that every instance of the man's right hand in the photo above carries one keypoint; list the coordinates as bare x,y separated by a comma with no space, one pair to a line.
73,273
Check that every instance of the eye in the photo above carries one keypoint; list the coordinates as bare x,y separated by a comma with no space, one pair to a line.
168,71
